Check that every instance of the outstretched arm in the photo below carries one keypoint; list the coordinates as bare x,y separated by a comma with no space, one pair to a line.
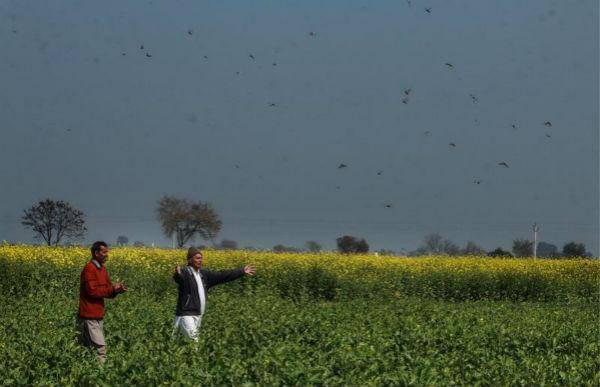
219,277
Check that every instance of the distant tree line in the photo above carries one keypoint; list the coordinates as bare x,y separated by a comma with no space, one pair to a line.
58,222
435,244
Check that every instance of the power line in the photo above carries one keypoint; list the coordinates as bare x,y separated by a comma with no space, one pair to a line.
341,222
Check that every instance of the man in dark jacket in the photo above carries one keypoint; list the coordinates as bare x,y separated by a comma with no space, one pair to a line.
193,283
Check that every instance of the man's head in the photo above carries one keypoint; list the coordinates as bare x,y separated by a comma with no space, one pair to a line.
194,257
100,251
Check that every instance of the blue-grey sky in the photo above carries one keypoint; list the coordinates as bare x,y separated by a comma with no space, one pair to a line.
88,116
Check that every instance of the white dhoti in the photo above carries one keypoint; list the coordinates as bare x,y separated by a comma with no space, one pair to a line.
187,325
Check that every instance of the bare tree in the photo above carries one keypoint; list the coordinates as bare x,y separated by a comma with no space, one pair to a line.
472,249
450,248
185,219
433,243
54,220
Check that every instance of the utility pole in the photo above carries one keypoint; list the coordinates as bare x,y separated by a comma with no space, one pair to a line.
536,228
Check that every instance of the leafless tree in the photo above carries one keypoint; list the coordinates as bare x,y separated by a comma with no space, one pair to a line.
433,243
54,221
450,248
472,249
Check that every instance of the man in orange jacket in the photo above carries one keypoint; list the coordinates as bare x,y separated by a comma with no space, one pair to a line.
95,286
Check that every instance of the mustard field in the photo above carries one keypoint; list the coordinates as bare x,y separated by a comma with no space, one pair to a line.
307,319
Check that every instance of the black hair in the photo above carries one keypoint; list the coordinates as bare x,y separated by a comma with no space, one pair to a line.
97,246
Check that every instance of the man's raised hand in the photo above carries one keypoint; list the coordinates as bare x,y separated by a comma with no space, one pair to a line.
249,269
177,269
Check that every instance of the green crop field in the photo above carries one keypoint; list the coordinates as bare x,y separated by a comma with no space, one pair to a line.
320,319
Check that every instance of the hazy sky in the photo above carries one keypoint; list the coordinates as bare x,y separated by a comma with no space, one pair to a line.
88,116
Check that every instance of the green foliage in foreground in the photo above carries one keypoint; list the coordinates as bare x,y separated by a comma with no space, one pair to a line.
262,339
259,336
